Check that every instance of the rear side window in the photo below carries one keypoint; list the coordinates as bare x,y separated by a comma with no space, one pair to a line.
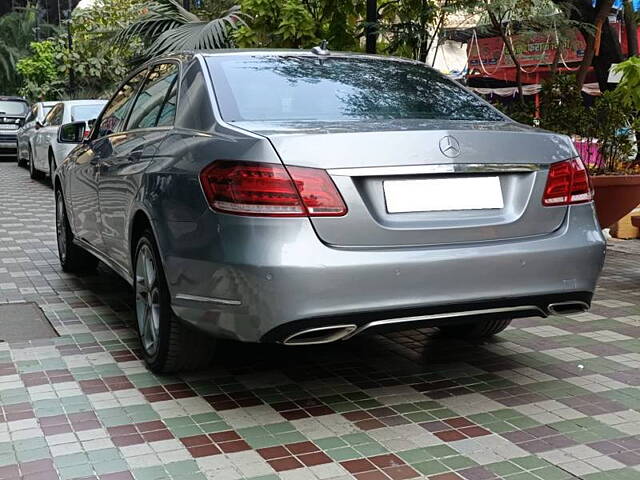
151,99
277,88
85,112
194,105
114,114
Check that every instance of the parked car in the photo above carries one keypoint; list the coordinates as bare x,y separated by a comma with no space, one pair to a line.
13,110
46,153
305,198
25,134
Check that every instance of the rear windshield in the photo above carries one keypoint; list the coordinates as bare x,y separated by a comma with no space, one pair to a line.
13,107
85,112
275,88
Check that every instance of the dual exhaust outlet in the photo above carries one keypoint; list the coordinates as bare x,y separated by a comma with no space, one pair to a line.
333,333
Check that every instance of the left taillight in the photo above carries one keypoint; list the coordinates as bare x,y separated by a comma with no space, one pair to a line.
568,182
267,189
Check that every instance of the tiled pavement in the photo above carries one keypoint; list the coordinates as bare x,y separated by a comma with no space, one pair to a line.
548,399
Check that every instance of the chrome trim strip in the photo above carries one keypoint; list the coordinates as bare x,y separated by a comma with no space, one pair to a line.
343,332
437,316
196,298
435,169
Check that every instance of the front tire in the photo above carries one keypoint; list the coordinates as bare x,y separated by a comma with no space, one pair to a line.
33,171
52,169
72,257
478,329
168,345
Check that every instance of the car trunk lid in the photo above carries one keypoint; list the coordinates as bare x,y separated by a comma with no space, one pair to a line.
413,183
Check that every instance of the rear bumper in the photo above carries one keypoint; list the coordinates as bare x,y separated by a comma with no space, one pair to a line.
263,280
8,148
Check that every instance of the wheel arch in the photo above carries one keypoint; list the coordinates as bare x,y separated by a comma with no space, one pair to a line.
141,221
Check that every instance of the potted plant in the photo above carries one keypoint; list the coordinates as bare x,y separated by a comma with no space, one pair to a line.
604,134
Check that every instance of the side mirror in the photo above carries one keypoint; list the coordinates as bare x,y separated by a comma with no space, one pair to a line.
38,125
72,132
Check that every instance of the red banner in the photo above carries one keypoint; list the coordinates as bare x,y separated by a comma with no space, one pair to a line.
531,50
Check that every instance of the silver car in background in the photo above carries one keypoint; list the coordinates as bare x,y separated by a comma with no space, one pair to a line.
305,198
13,111
32,123
45,152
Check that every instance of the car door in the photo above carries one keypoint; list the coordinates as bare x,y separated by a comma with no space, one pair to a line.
83,189
25,131
148,122
45,135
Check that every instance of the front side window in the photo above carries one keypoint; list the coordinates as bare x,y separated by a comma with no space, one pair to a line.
114,114
54,117
281,88
148,105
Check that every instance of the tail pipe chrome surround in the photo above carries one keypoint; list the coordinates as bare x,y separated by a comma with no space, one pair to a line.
316,336
567,308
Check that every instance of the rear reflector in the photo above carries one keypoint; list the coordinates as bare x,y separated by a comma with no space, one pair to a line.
568,182
268,189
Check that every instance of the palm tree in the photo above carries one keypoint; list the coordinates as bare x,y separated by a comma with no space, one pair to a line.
17,31
165,26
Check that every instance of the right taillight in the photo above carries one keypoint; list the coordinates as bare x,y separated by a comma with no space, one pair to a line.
268,189
568,182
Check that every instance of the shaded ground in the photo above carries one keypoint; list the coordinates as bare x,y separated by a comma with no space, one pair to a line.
548,399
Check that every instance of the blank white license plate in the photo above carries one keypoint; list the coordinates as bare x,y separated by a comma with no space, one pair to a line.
442,194
8,126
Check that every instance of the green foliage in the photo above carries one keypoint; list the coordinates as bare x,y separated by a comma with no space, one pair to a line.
522,112
608,121
164,26
17,32
95,61
39,72
629,86
562,108
300,23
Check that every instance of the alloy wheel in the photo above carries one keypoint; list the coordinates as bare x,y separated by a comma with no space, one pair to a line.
147,300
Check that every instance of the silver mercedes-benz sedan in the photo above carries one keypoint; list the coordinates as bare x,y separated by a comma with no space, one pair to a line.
307,197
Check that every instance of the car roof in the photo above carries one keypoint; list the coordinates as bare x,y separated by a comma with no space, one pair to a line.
187,55
81,102
7,98
48,104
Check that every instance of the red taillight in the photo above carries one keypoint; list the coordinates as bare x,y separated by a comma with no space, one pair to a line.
267,189
568,182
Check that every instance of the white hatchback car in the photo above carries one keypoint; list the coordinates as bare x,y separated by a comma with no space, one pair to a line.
46,153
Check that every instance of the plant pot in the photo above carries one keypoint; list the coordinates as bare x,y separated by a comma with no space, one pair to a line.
615,196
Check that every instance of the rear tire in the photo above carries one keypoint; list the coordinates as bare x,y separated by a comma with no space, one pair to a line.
168,345
73,259
478,329
33,171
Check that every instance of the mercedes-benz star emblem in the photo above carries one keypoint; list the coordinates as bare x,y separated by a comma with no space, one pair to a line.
449,146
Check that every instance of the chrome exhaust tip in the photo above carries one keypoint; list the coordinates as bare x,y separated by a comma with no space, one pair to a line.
319,335
567,308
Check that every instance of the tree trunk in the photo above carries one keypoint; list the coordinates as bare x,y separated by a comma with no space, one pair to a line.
372,26
498,26
631,27
593,40
556,61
